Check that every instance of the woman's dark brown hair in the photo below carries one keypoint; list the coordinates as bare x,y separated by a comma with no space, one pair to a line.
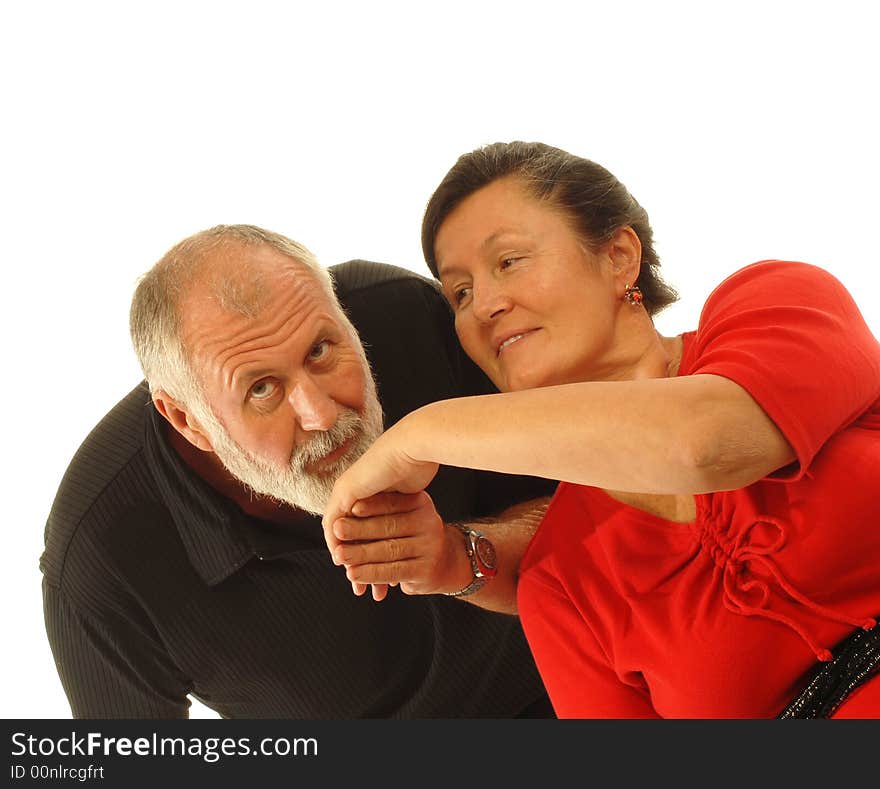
592,197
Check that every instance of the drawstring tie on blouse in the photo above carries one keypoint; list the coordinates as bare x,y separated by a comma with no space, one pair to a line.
736,586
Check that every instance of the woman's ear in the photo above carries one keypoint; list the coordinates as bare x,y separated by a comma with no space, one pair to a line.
181,420
625,253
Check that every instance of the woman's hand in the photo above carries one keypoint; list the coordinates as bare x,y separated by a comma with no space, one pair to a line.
385,467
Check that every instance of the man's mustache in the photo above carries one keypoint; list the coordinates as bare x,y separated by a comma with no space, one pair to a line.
323,442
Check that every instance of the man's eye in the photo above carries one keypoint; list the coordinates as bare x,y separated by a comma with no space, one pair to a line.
508,262
319,351
262,390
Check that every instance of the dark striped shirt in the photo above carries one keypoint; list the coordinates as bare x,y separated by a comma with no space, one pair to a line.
156,587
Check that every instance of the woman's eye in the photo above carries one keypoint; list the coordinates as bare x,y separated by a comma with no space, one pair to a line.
319,351
508,262
262,390
460,294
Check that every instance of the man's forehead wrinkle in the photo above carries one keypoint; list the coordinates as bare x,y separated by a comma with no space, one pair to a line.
242,352
225,340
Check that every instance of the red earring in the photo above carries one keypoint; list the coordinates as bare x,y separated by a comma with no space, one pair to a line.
633,295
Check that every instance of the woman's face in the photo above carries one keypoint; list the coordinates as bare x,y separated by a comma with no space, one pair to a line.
533,307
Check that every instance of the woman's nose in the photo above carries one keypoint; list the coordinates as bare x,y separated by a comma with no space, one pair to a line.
490,300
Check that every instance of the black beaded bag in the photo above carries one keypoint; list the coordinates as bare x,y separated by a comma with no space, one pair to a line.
856,660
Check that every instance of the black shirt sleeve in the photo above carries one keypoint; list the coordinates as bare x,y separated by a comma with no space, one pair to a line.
110,659
109,673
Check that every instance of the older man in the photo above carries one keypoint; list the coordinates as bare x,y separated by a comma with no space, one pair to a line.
182,556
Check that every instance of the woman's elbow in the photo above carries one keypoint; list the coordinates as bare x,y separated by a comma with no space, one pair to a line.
734,459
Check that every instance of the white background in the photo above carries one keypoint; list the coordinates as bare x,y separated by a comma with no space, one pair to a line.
748,130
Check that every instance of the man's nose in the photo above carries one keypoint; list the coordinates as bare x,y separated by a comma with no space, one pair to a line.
314,409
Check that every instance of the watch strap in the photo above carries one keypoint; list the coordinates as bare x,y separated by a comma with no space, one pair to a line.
479,578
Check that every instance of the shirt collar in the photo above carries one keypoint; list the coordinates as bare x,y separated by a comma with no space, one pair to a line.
213,528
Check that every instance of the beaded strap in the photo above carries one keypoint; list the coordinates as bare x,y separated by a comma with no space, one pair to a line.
855,661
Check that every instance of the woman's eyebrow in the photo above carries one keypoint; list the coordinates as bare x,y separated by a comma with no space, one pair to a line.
484,244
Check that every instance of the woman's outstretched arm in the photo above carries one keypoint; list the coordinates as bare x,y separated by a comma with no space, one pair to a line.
684,435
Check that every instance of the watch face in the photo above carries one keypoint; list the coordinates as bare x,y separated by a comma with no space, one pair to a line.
485,552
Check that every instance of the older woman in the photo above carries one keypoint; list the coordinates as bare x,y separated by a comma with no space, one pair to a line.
714,541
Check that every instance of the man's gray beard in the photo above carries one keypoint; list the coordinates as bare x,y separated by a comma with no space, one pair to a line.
295,484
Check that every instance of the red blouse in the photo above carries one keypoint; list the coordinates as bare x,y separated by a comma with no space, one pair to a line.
631,615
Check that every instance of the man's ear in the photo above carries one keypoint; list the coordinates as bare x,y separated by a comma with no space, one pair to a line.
181,420
625,252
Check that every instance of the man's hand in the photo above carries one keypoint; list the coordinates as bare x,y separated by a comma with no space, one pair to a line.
398,538
395,539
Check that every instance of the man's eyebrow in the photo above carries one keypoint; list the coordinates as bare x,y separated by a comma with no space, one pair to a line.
324,328
244,380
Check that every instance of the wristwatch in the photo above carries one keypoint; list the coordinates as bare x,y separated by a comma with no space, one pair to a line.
482,556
